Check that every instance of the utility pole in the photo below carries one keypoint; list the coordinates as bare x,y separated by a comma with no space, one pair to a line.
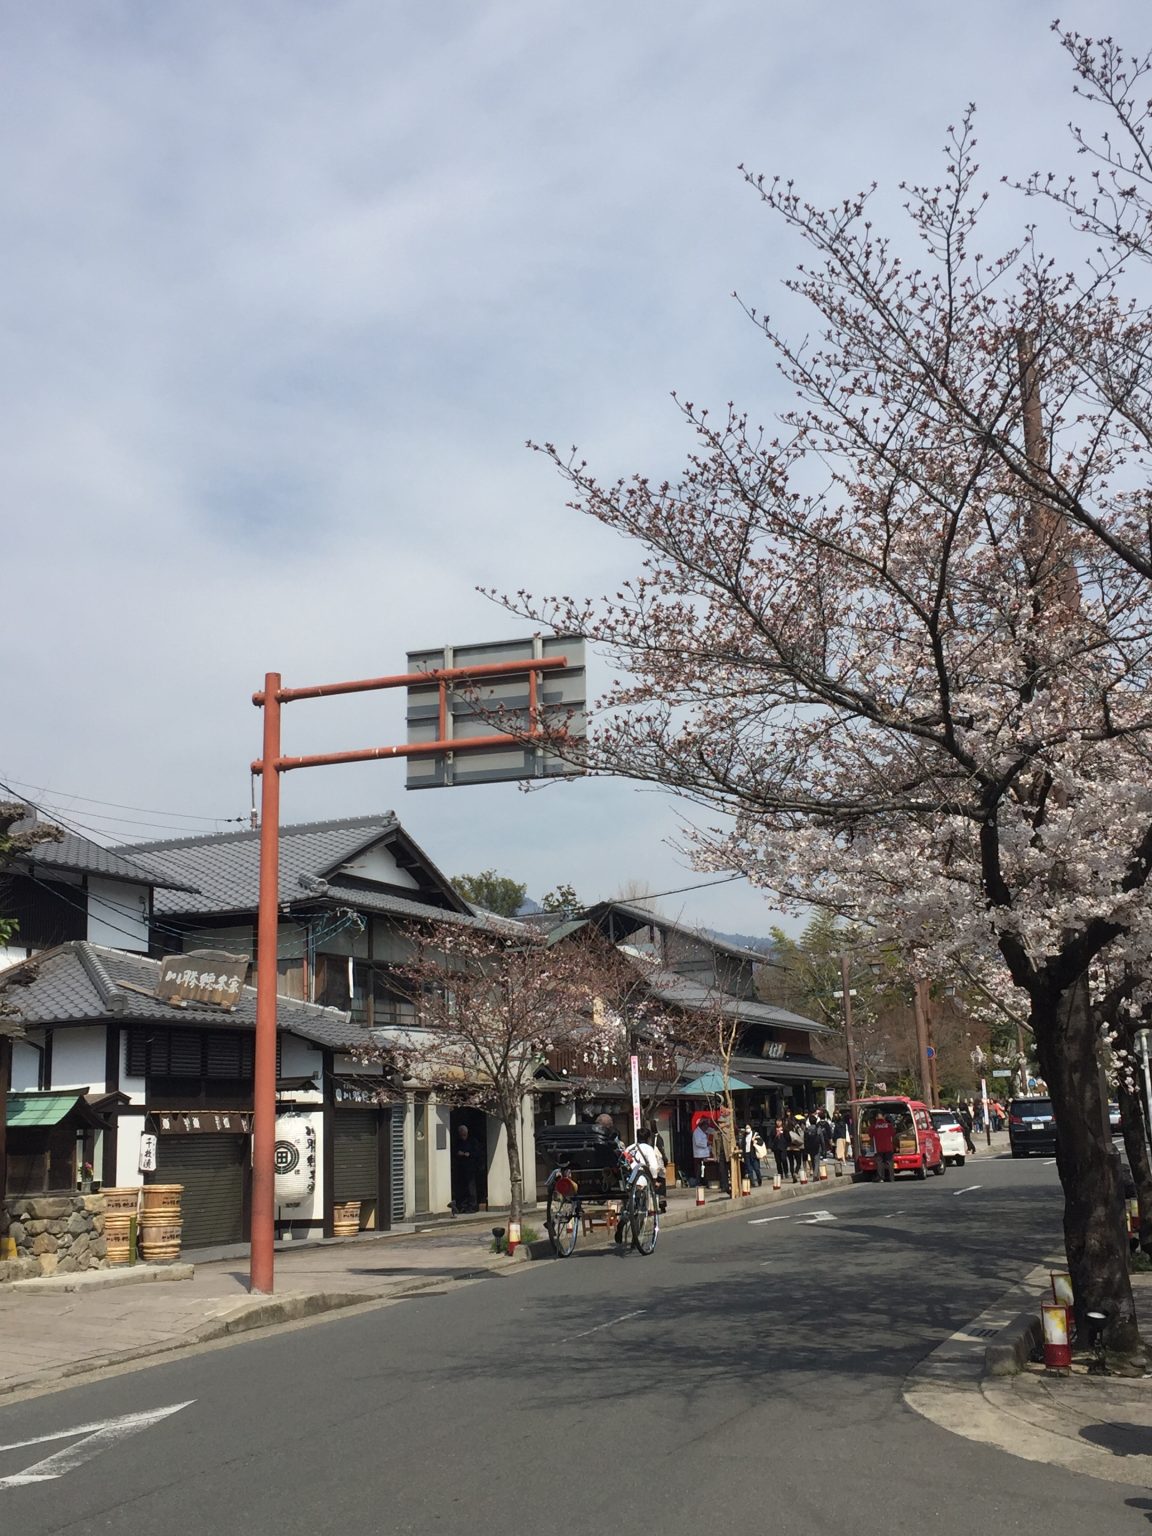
920,1012
849,1043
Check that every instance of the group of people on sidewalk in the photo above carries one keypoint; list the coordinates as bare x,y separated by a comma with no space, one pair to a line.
796,1142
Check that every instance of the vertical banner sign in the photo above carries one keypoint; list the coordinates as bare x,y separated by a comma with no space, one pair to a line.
635,1098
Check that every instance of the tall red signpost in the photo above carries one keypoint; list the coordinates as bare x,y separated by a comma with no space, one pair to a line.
270,765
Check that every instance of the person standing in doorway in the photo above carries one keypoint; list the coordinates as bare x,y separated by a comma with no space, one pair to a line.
464,1158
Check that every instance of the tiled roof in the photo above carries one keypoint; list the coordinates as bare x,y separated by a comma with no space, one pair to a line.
224,868
640,917
400,906
670,987
81,983
79,855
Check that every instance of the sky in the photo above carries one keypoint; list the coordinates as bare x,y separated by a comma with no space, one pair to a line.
289,286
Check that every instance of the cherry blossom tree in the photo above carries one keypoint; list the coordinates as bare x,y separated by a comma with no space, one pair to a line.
489,1006
898,649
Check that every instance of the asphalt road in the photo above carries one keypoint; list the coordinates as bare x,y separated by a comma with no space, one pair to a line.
747,1374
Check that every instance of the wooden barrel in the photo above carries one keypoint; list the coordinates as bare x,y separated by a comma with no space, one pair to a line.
159,1240
118,1227
346,1219
123,1198
161,1200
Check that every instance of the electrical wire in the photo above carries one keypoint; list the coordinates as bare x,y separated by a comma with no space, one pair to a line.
147,810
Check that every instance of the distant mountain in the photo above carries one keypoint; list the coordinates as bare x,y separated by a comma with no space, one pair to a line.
743,940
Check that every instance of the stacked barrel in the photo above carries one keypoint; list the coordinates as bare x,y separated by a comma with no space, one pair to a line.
120,1223
160,1223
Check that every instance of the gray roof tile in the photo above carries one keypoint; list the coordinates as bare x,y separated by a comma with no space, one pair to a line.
81,983
79,855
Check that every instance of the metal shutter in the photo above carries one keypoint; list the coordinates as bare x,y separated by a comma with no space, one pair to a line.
356,1155
211,1169
398,1163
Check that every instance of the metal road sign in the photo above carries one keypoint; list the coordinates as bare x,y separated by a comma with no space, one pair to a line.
548,700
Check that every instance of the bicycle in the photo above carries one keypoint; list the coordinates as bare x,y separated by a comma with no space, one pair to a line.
639,1214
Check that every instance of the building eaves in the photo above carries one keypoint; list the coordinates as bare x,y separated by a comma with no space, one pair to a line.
86,983
78,855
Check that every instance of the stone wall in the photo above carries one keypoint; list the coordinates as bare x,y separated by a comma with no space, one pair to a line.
59,1233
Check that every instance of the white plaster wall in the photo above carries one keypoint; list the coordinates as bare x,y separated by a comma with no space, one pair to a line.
78,1058
299,1058
26,1064
118,914
129,1129
378,864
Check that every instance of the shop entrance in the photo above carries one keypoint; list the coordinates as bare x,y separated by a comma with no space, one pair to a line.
465,1171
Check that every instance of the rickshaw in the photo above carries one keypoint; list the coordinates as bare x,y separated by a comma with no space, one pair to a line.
917,1146
592,1169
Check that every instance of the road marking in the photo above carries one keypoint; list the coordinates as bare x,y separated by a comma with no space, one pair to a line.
623,1318
893,1213
1049,1162
967,1191
816,1216
761,1221
97,1437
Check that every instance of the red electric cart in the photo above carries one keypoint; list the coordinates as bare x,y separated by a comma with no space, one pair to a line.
917,1144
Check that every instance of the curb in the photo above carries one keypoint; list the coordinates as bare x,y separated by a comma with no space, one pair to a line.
103,1279
1014,1346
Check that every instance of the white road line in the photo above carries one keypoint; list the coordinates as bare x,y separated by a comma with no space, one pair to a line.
1049,1162
967,1191
810,1221
97,1437
761,1221
624,1316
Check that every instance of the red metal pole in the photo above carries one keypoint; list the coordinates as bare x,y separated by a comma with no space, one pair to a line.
261,1274
435,675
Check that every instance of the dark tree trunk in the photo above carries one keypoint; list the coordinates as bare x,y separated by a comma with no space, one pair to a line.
1131,1101
1095,1238
515,1173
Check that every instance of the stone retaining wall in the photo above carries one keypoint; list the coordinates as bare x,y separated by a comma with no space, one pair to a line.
60,1233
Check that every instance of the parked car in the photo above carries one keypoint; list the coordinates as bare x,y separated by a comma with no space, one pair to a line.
1031,1126
1115,1124
917,1144
951,1134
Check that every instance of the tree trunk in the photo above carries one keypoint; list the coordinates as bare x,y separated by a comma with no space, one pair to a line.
1131,1101
1095,1238
515,1174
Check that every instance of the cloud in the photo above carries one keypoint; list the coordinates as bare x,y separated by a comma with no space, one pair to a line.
288,286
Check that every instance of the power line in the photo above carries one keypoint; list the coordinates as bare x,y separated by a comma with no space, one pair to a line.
148,810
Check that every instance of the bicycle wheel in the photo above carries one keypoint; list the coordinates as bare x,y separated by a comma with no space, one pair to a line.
644,1214
563,1223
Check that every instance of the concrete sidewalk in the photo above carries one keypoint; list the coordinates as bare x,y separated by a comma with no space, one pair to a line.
982,1384
50,1332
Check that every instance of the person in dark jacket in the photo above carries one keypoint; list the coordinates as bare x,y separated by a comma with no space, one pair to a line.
813,1146
780,1146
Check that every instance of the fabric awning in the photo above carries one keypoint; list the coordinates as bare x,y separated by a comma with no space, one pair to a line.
709,1084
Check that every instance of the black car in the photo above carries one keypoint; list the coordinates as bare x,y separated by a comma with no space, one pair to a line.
1031,1127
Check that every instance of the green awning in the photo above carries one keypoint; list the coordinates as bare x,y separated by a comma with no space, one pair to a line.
710,1084
29,1110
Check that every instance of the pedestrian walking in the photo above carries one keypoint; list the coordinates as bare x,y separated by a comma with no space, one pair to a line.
840,1138
795,1147
813,1146
748,1156
964,1117
780,1145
